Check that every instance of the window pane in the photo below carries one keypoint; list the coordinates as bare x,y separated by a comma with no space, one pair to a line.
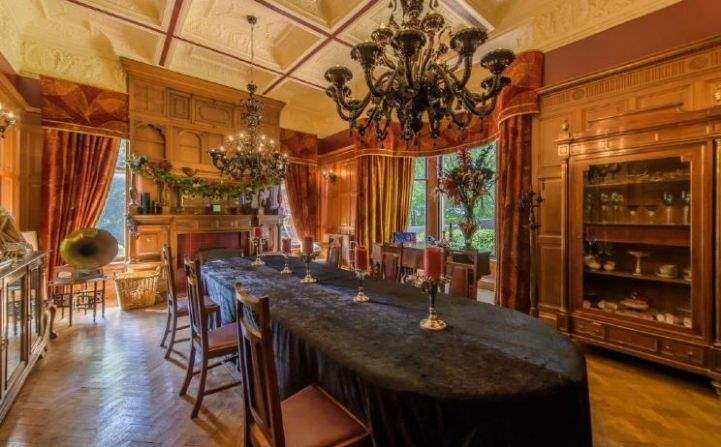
485,211
113,217
288,229
419,168
417,218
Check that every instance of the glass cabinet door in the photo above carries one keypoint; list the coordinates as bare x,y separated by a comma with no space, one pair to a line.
634,249
14,326
34,306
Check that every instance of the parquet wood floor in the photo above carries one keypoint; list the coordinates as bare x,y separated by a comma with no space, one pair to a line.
108,385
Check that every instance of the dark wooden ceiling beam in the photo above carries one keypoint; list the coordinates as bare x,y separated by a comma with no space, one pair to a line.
170,32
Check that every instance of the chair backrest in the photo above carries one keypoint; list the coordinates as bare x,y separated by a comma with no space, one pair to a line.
196,306
262,400
390,266
460,277
334,255
169,271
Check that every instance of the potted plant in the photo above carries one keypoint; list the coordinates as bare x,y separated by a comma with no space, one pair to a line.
467,185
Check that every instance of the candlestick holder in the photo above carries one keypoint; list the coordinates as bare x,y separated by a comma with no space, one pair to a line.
286,267
308,258
360,276
258,262
433,322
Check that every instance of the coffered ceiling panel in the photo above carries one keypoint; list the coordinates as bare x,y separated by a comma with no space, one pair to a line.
325,13
152,12
206,64
222,24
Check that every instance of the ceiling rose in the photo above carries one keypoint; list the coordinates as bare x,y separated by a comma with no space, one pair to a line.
409,70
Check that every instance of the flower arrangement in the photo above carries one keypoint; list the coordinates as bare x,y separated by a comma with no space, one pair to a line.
161,171
468,184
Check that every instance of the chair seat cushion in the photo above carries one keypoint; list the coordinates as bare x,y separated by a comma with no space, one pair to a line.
311,418
225,338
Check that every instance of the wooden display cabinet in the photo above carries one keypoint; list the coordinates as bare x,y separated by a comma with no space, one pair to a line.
24,324
640,244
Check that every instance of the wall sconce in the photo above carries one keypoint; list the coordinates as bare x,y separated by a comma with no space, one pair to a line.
330,176
7,119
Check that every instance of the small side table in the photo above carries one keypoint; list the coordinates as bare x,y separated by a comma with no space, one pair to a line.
93,288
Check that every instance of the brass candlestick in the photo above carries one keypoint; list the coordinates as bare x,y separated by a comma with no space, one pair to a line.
308,258
361,297
258,262
433,322
286,267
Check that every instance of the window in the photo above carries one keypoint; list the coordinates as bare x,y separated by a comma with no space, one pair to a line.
485,212
417,217
288,229
113,217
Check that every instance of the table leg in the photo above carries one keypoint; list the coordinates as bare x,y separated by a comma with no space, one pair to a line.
71,304
95,300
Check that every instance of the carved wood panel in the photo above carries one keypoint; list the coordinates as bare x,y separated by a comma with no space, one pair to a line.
147,98
188,147
179,105
149,140
212,113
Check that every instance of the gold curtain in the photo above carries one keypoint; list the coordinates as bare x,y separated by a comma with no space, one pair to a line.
384,197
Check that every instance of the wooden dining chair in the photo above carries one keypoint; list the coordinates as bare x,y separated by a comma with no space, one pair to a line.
309,417
390,266
334,256
220,342
178,306
460,277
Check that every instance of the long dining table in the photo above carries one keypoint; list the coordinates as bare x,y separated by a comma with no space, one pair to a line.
495,377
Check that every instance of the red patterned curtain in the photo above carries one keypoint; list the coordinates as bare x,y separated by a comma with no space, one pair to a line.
516,107
77,172
384,197
513,266
302,186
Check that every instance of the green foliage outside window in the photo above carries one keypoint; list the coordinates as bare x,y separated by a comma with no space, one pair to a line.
113,217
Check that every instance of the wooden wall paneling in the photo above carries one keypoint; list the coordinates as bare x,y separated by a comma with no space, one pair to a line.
149,140
147,98
32,137
187,148
212,113
179,105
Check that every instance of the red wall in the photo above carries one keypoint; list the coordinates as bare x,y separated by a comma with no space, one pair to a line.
667,28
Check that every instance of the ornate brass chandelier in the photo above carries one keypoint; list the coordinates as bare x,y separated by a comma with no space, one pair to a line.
250,154
408,71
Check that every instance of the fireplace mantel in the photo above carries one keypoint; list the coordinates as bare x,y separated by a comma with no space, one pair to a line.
148,232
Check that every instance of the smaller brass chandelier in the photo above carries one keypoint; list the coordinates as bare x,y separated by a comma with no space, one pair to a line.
406,68
7,120
250,154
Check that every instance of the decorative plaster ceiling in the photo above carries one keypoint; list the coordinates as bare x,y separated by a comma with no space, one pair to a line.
296,40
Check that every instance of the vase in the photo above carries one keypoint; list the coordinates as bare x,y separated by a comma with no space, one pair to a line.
468,228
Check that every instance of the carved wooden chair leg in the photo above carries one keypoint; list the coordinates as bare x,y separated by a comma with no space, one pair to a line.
167,330
189,372
201,388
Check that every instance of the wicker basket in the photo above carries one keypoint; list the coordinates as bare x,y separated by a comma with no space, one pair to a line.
136,289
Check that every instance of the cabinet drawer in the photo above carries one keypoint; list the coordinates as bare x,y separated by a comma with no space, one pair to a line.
588,328
682,352
632,339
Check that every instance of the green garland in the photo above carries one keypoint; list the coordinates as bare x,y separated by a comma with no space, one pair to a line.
161,171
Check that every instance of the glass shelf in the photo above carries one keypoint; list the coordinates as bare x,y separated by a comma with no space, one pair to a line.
636,234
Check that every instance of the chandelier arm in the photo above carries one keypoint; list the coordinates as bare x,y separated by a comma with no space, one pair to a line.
374,83
467,70
341,112
424,64
388,61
